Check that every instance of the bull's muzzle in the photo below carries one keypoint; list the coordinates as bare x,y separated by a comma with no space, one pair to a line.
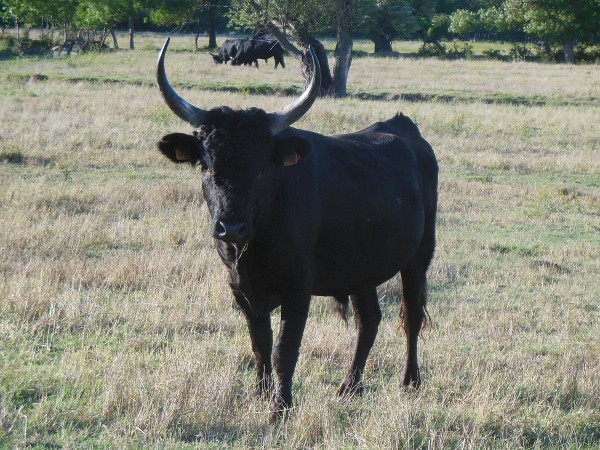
235,233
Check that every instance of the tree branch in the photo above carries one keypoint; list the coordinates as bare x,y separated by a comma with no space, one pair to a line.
275,31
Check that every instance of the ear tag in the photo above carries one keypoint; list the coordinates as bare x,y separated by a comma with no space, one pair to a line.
291,159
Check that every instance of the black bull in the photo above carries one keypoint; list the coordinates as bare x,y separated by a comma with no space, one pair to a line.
227,50
297,214
248,51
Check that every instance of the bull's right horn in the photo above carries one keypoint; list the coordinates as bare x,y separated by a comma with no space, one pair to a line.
183,109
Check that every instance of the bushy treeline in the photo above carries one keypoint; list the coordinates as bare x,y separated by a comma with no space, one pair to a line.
560,25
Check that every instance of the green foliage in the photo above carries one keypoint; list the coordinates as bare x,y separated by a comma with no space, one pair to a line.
7,47
99,13
174,12
560,21
588,54
391,18
30,12
179,12
519,52
300,18
464,22
438,28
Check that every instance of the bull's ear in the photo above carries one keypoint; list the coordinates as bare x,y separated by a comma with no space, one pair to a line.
180,148
290,150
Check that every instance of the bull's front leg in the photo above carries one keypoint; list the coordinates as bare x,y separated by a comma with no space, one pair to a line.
261,338
294,312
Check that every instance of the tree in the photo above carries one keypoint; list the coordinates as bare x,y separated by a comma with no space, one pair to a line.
60,13
289,20
464,22
344,16
302,19
93,14
563,22
385,20
183,12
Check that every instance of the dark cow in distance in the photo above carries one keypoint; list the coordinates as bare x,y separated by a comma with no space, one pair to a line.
251,50
295,214
228,49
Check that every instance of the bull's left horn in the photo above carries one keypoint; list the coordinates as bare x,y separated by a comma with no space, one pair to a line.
279,121
183,109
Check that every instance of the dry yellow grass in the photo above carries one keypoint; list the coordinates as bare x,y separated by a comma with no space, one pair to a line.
116,322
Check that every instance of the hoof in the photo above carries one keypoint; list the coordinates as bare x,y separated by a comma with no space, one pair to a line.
349,388
412,380
280,411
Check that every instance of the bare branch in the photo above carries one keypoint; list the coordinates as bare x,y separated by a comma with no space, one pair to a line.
275,31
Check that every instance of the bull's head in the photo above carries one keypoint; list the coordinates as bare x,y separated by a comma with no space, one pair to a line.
218,59
240,152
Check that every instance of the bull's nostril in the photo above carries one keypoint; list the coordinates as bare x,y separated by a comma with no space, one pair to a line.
230,232
220,229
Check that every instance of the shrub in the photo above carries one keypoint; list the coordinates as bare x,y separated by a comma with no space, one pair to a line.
436,49
7,47
520,52
494,54
458,52
587,54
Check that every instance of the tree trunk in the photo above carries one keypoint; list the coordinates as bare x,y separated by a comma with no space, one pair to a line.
569,51
343,50
197,34
18,32
212,26
103,37
326,79
131,33
318,47
114,38
382,44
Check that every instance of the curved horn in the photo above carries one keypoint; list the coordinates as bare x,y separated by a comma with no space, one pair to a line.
279,121
183,109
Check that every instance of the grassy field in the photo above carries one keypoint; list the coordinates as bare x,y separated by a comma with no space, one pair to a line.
116,323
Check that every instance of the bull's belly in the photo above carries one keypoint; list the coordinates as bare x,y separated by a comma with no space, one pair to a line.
343,272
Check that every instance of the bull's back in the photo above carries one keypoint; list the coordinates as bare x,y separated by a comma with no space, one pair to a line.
373,191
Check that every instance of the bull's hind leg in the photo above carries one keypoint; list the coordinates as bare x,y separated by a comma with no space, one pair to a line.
413,310
368,316
413,313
